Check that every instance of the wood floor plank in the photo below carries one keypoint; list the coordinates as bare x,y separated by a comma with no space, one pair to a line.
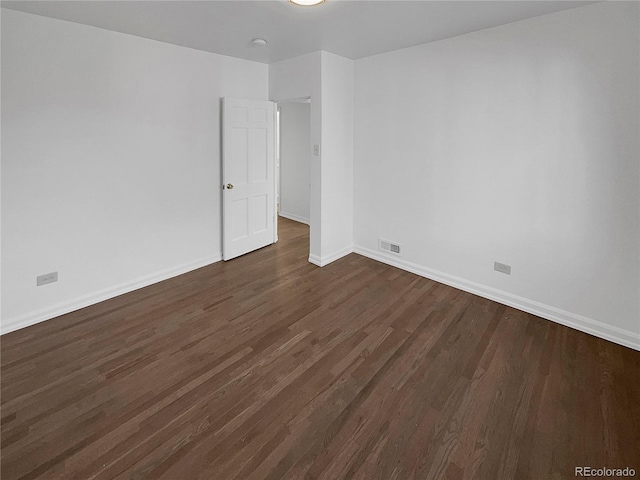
268,367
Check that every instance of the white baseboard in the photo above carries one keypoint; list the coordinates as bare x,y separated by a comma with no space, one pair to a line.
575,321
578,322
327,259
48,313
315,259
295,218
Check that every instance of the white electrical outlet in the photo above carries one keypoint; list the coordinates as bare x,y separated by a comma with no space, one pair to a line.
502,268
47,278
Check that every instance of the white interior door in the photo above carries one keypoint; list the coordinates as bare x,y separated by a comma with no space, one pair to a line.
248,174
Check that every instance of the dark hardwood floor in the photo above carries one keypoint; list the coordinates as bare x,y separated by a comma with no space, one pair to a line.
267,367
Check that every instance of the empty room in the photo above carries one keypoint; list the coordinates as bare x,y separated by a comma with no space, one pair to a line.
349,240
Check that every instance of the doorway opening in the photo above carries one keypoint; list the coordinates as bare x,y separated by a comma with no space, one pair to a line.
293,160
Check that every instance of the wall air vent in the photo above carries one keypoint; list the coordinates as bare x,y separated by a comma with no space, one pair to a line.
389,247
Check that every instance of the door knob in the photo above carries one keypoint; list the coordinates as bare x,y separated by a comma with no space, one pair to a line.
230,186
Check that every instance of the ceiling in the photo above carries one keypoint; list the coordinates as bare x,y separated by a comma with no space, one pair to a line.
353,29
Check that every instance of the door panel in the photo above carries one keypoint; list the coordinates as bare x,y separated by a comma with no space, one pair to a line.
238,163
248,172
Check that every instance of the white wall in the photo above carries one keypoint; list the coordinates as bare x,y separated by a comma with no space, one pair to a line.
294,79
337,156
517,144
110,161
295,158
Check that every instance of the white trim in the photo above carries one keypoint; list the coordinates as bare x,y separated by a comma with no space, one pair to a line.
578,322
293,217
294,100
48,313
327,259
315,259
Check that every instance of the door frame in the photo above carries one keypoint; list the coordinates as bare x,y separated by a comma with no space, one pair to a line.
304,100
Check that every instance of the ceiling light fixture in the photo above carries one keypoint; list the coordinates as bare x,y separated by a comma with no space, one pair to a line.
259,42
307,3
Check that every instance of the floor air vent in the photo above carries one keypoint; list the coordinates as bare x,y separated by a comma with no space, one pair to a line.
389,247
